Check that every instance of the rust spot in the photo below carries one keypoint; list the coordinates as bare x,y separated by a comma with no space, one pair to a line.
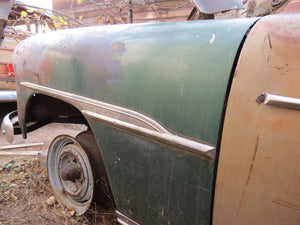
72,173
286,204
261,98
117,47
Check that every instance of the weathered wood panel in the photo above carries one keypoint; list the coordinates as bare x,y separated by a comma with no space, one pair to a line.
7,82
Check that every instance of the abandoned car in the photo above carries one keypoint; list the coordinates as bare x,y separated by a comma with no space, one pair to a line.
188,122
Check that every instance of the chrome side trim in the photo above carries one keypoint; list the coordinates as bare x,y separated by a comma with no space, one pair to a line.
281,101
173,140
127,120
8,96
71,98
124,220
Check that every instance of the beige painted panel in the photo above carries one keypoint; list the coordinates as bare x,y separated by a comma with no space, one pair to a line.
258,179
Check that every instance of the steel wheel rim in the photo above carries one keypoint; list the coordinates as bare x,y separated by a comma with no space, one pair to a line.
70,174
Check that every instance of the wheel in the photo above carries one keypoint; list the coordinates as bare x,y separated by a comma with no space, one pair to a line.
77,173
70,174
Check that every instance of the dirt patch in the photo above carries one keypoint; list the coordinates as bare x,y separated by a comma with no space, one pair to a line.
42,137
26,198
24,185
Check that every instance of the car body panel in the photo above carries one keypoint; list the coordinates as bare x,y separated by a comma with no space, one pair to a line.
126,66
134,84
259,168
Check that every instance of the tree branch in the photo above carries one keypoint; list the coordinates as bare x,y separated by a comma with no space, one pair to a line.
103,10
118,11
52,10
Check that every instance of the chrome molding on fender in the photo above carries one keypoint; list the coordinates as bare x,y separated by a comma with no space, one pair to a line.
107,109
191,146
124,220
280,101
127,120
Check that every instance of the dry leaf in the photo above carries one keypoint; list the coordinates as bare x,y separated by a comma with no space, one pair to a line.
30,10
79,1
23,14
99,18
72,212
51,201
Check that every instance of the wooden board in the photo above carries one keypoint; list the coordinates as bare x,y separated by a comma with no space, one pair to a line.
7,82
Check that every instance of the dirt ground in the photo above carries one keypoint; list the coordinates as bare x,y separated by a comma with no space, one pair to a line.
25,193
41,138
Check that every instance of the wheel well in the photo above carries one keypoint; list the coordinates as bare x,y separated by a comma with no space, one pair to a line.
45,109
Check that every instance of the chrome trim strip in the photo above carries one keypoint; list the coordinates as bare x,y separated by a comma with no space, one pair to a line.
188,145
281,101
124,220
119,117
8,96
113,108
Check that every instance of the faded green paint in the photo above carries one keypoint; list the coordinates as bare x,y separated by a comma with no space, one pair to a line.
177,73
153,183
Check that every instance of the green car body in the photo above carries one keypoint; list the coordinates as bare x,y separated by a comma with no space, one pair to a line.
177,132
175,74
160,100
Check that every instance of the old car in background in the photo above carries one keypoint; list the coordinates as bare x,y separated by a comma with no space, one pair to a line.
188,122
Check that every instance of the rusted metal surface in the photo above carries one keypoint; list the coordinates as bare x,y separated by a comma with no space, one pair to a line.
258,173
